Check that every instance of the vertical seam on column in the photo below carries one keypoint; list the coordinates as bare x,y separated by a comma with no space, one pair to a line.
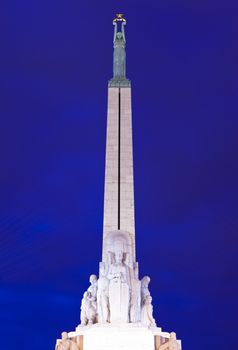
119,158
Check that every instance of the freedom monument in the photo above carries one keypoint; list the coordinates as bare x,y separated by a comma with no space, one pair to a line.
116,309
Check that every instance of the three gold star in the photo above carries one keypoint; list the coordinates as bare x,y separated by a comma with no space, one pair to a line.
119,18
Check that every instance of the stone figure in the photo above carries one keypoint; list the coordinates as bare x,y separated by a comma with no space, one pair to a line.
89,303
66,343
88,309
118,269
119,289
171,344
135,306
119,54
144,288
103,295
147,312
92,289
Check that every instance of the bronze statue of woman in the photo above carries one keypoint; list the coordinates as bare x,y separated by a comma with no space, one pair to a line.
119,54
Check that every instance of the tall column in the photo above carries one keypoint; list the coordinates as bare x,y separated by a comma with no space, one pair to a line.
119,186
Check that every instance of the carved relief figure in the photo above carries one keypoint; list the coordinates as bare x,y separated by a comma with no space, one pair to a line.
119,290
118,269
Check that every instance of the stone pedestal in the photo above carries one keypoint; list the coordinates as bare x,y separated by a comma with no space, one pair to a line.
128,336
117,337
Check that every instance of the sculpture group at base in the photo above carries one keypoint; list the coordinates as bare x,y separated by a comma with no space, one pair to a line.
118,296
117,300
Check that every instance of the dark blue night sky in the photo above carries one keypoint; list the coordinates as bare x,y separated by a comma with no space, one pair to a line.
56,59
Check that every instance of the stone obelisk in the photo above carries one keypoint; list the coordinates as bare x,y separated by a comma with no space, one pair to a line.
116,310
119,187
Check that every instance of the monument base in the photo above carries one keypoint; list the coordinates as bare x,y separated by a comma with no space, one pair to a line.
121,337
118,337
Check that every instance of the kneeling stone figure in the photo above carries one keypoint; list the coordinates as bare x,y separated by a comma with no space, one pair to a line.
147,312
88,313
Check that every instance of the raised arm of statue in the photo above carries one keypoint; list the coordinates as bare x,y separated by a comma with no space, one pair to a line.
123,30
115,30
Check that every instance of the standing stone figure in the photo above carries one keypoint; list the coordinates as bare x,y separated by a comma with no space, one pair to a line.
147,312
66,343
119,289
103,296
172,344
92,292
144,288
135,307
